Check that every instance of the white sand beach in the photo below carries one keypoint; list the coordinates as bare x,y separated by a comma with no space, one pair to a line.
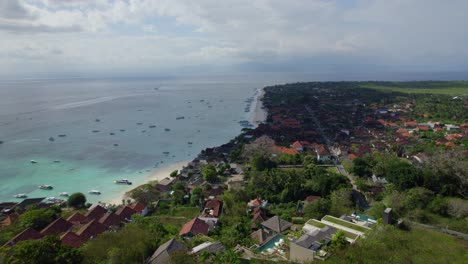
259,114
155,175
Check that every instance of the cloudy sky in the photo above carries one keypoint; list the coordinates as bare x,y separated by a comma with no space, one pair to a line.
147,37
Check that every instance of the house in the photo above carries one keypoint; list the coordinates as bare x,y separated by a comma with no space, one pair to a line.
213,208
27,234
110,220
257,202
322,153
194,227
261,236
277,224
215,192
57,227
210,247
125,213
308,246
71,239
164,185
163,254
77,219
284,150
297,146
95,212
450,127
140,208
9,220
91,230
259,215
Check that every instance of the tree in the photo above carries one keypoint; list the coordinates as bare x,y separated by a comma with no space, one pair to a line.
317,209
48,250
341,202
209,173
77,200
37,218
338,240
145,193
174,173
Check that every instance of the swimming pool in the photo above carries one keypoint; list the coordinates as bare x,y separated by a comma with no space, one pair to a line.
271,243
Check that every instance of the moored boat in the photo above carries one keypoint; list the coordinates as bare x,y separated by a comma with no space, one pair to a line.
20,195
96,192
65,194
45,187
33,161
123,181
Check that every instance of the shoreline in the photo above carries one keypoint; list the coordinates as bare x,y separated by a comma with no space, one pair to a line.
259,114
155,175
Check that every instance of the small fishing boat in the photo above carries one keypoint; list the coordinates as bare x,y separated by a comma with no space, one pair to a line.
56,161
180,117
111,134
33,161
123,181
62,135
45,187
95,131
20,195
95,192
152,126
51,139
166,152
139,123
190,143
116,145
97,120
167,129
122,130
65,194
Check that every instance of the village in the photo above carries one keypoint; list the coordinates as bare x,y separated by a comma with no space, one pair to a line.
322,131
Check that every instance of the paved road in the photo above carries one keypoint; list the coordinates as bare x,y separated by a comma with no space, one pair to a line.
358,197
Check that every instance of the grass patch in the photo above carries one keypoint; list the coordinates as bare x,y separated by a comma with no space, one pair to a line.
316,223
391,245
332,169
446,88
345,224
175,221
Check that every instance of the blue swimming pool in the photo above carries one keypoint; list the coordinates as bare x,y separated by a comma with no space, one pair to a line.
271,243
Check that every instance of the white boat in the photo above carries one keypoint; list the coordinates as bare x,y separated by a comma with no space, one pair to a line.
20,195
33,161
63,194
96,192
123,181
45,187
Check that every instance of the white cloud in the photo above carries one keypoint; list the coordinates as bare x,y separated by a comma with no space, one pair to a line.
156,34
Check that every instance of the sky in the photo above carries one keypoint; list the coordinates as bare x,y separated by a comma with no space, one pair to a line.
50,38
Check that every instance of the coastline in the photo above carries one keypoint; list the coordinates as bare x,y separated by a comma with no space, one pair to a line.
155,175
259,114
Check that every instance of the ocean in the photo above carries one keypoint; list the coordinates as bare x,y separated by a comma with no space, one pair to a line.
84,134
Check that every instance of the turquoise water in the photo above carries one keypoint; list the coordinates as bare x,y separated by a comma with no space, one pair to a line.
32,112
271,243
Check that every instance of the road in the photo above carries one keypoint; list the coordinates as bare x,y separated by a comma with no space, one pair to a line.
358,197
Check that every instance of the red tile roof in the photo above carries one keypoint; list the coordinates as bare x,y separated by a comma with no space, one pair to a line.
352,156
27,234
410,123
125,213
76,218
71,239
110,219
297,144
423,128
95,212
194,227
91,229
58,226
284,150
212,208
138,207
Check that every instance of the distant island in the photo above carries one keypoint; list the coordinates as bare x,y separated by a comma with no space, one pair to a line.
342,172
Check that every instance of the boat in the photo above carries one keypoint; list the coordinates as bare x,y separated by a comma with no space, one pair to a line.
51,139
152,126
97,120
20,195
166,152
65,194
122,130
1,142
190,143
33,161
123,181
62,135
56,161
95,131
167,129
180,117
96,192
139,123
116,145
45,187
111,134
